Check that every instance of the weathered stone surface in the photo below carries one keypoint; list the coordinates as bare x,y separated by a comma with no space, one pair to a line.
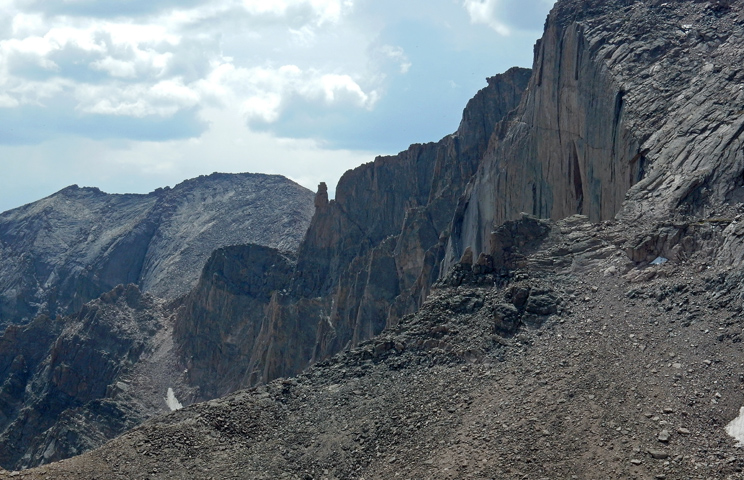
217,327
542,303
597,133
633,112
62,251
449,397
68,384
506,319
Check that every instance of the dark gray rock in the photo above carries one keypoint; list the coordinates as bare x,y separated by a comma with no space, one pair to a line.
59,396
369,257
542,303
506,319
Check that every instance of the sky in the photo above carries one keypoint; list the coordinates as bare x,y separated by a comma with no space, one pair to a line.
132,95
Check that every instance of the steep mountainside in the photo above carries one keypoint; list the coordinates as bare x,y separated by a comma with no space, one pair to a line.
368,258
70,383
66,381
62,251
632,109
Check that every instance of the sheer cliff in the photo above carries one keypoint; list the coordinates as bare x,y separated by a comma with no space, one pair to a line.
62,251
541,348
635,109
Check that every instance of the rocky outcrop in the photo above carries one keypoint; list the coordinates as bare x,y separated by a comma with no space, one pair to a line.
369,257
62,251
632,111
221,318
69,382
567,371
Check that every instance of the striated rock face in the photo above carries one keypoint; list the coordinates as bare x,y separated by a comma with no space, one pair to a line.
368,258
566,371
69,382
634,109
62,251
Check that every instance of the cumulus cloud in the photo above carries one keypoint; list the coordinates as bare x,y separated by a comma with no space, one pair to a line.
398,55
485,11
165,63
324,10
263,93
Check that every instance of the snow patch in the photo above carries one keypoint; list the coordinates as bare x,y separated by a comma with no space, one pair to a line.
736,428
172,401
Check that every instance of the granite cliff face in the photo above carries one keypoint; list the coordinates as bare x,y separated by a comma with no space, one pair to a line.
635,110
369,257
67,249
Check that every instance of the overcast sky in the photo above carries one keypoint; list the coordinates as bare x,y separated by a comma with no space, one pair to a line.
131,95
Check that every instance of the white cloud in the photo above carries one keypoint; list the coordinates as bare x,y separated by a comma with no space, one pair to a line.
149,53
484,11
343,87
397,54
163,99
115,68
304,37
36,92
264,92
24,24
6,101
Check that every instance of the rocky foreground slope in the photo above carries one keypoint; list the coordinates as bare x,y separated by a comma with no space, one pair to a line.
69,248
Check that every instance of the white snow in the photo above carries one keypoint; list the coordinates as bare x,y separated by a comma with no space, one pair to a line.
172,401
736,428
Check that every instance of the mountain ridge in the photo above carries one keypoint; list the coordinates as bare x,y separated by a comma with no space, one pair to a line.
75,245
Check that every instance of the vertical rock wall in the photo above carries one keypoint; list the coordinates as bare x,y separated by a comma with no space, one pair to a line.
566,151
635,109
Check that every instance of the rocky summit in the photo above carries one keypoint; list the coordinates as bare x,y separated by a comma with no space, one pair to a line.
69,248
552,291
